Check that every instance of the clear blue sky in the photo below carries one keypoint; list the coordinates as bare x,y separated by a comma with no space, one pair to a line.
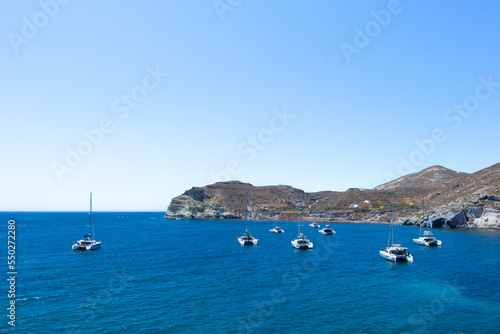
361,83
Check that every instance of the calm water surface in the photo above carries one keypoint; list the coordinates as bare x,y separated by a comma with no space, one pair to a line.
154,275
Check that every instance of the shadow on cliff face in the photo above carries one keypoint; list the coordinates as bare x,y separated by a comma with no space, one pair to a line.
197,194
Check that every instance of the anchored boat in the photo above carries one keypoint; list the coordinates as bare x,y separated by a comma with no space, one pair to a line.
327,230
87,243
301,242
427,239
247,239
394,252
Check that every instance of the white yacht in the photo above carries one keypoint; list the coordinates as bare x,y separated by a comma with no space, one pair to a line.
277,229
427,239
87,243
315,225
247,239
301,242
394,252
327,230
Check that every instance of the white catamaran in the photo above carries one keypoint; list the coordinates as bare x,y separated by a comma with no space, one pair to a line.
327,230
301,242
394,252
276,228
87,243
427,239
247,239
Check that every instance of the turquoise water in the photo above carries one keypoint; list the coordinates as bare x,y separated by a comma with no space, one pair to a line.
154,275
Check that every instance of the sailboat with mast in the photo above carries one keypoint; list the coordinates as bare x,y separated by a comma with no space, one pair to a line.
247,239
427,239
394,252
327,230
301,242
276,228
87,243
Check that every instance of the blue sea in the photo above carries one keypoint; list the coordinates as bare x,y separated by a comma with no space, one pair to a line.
155,275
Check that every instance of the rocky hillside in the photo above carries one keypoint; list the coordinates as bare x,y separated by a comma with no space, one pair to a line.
468,202
452,200
416,184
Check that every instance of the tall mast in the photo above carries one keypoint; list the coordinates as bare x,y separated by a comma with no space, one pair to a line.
392,222
300,211
246,210
326,209
423,214
276,214
91,232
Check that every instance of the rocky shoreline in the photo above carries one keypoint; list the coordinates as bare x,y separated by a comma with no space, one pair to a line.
476,215
482,215
453,200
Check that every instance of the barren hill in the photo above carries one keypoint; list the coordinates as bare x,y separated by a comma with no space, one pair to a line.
470,201
427,180
470,188
453,199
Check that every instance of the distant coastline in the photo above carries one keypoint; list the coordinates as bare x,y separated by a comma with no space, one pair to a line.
452,200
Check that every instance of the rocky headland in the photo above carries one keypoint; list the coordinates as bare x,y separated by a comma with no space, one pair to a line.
452,200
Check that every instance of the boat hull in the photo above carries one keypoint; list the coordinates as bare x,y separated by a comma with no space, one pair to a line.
327,232
427,243
87,243
247,242
396,258
276,231
299,245
82,247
